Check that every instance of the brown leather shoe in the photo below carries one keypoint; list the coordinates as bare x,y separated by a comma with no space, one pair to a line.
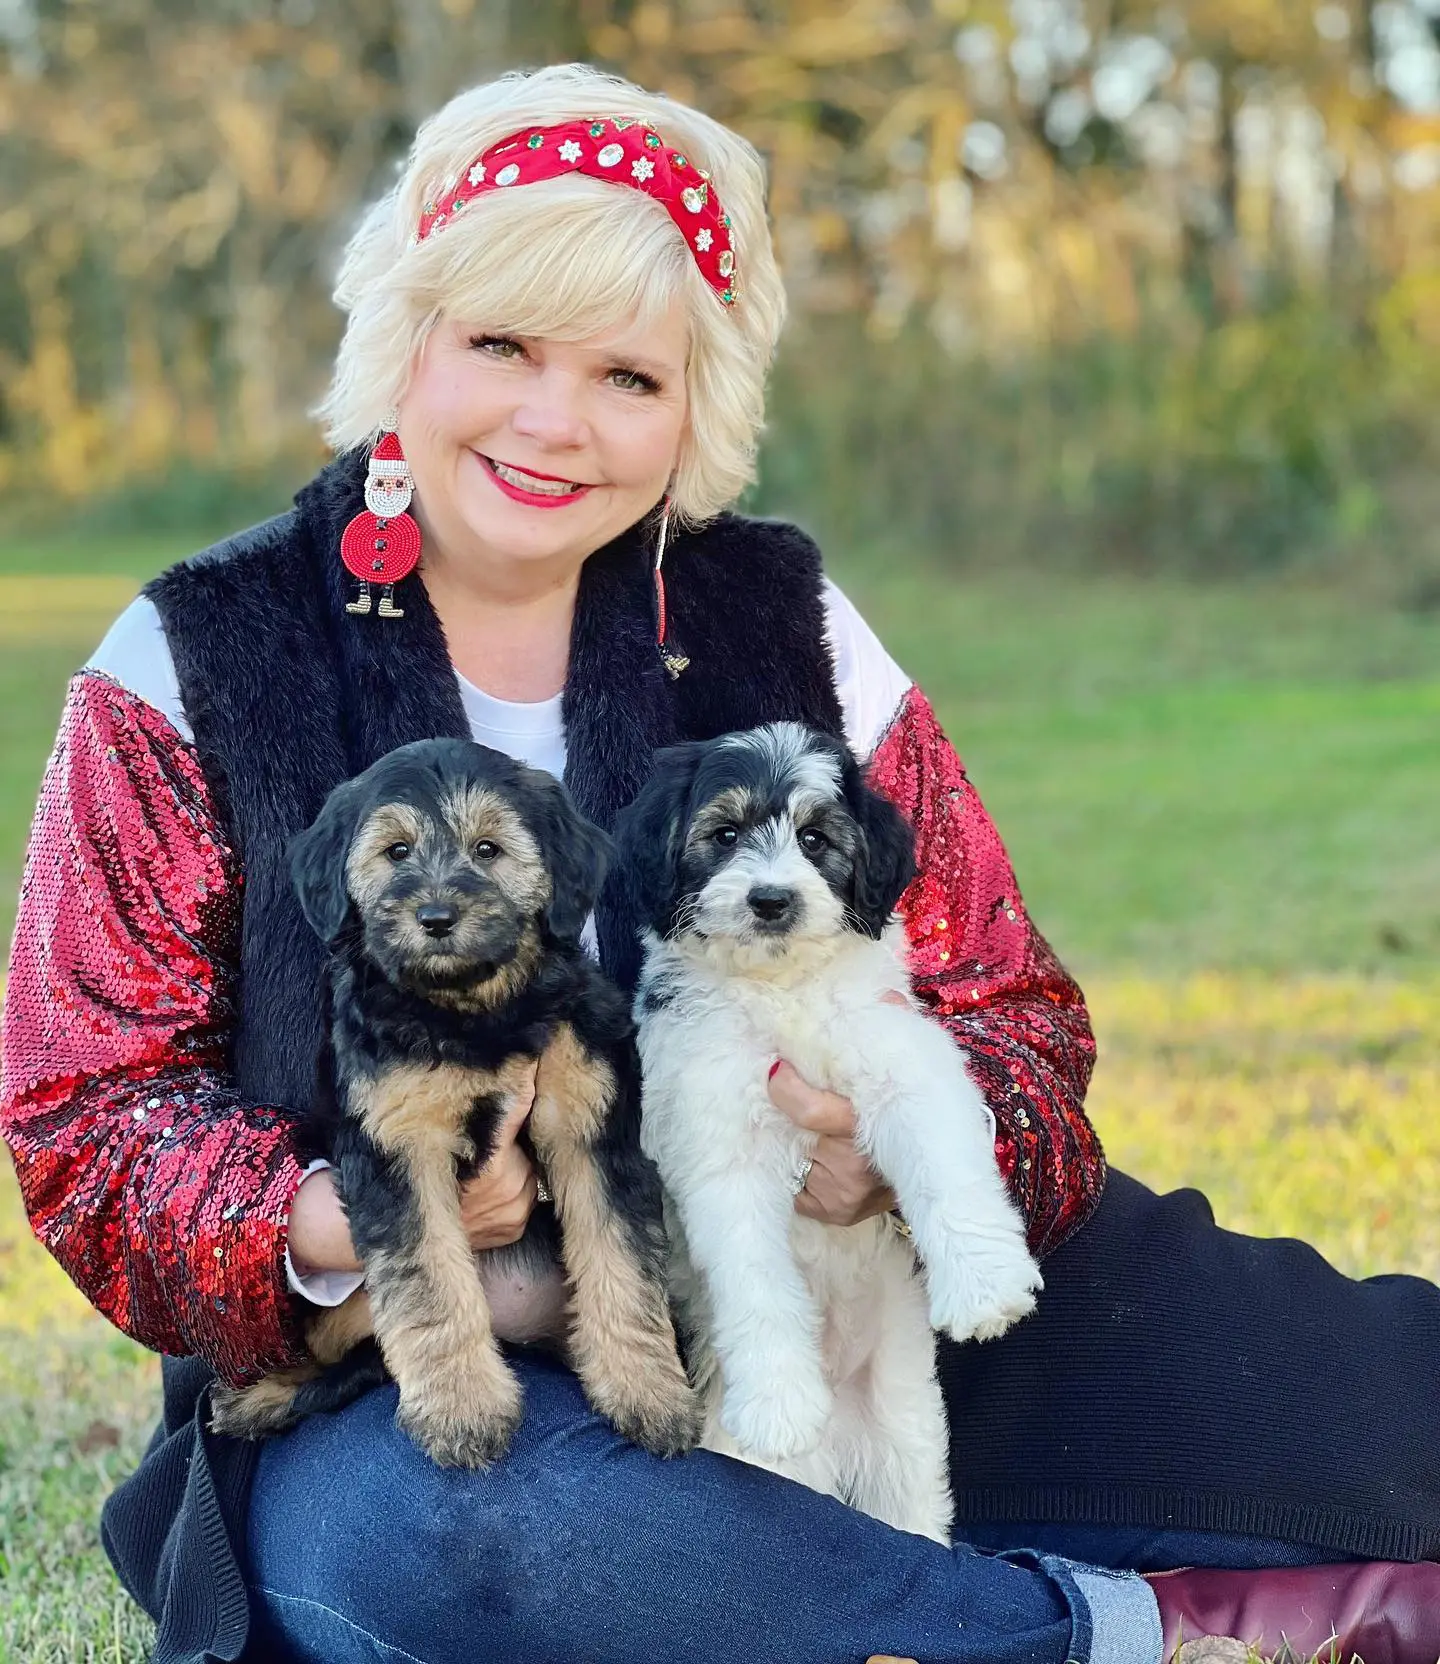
1378,1610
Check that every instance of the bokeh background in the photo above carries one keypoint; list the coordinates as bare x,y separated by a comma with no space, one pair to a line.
1111,391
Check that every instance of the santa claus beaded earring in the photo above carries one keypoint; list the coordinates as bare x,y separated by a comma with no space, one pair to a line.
381,545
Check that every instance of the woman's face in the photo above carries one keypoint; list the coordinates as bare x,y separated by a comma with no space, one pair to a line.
525,449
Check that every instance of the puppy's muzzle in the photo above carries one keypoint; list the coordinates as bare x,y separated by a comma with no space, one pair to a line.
445,935
773,905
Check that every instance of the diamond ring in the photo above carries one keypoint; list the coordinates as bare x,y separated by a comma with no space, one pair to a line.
802,1176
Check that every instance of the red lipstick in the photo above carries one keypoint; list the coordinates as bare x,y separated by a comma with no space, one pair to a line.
535,499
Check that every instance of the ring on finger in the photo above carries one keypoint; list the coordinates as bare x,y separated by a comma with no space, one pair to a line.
801,1176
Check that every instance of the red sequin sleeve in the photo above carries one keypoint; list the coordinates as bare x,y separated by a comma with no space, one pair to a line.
992,979
163,1194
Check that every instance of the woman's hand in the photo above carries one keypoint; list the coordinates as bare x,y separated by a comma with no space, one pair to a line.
495,1204
841,1188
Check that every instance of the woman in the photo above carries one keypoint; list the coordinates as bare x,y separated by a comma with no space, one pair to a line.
570,302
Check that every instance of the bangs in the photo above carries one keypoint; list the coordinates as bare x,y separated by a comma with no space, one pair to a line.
567,259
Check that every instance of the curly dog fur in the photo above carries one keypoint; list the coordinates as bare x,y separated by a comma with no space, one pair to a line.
450,885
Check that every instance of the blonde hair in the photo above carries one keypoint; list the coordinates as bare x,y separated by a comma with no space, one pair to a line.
566,258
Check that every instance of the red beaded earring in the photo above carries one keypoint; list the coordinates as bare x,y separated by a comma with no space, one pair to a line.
381,545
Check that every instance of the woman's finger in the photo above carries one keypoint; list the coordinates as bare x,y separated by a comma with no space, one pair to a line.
808,1107
841,1188
520,1178
517,1112
505,1176
498,1183
836,1210
495,1207
518,1216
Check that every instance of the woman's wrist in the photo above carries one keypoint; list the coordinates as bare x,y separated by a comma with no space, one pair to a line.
319,1233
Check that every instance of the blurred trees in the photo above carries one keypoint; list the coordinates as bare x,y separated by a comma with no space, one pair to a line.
1220,222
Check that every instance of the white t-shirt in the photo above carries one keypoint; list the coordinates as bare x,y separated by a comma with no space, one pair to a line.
870,684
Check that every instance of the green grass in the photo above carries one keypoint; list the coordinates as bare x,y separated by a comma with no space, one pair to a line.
77,1401
74,1414
1189,778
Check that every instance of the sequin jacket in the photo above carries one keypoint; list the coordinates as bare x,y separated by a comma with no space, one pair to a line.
164,1193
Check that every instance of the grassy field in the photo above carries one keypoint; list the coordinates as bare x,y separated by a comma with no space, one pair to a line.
1222,804
1187,778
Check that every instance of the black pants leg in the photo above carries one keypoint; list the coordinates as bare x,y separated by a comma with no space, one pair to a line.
1177,1376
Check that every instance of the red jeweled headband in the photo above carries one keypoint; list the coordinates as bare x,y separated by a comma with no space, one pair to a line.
620,150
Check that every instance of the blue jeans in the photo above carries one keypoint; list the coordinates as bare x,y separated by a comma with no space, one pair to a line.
580,1548
1138,1548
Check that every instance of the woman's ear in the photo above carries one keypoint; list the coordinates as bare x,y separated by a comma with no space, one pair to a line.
317,863
578,855
651,834
885,864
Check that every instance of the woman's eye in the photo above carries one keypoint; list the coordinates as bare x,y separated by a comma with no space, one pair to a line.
398,851
726,836
497,346
634,381
813,842
486,851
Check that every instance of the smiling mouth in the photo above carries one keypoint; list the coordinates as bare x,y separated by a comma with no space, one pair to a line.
535,485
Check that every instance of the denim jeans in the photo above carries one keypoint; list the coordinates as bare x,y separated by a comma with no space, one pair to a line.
579,1548
1139,1548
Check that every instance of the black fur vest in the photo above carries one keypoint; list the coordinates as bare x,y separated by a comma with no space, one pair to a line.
288,695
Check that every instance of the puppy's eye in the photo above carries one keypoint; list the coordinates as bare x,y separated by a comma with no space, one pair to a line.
486,851
813,842
398,852
726,836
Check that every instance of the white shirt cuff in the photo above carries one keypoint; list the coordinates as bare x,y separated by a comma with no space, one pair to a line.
321,1288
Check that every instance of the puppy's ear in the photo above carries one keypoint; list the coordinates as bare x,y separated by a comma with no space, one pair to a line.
885,863
317,863
651,834
578,855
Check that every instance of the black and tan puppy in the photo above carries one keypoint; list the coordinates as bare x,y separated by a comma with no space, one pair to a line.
451,884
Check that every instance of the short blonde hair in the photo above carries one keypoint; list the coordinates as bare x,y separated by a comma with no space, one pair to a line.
565,258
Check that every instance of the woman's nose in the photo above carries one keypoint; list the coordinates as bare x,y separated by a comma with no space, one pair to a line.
551,413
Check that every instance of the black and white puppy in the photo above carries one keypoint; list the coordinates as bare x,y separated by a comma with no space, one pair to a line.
450,884
769,873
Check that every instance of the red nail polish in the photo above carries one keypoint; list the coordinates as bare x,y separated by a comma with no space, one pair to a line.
774,1069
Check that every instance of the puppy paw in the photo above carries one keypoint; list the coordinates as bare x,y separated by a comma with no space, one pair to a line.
988,1287
1003,1316
661,1414
457,1434
630,1369
260,1410
783,1419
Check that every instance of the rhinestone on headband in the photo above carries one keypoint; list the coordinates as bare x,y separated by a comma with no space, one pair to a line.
619,150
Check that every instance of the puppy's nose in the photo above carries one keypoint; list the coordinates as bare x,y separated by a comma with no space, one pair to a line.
437,918
770,903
